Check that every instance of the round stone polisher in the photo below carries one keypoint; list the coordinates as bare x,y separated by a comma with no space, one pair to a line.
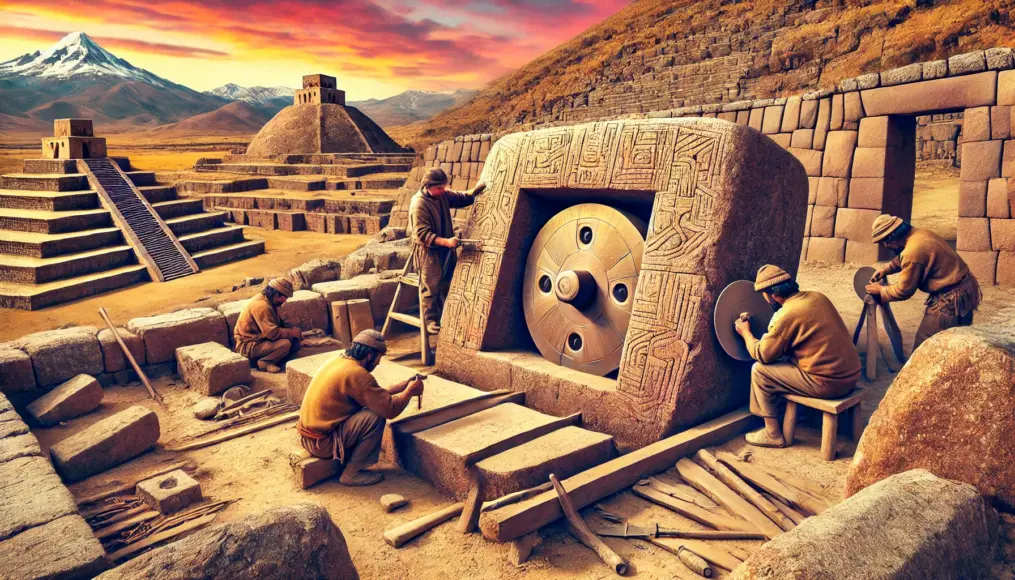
579,286
738,298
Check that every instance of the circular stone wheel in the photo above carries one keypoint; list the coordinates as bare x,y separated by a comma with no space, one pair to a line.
579,286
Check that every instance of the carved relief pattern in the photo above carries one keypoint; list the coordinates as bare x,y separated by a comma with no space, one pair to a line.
470,298
590,164
545,154
641,161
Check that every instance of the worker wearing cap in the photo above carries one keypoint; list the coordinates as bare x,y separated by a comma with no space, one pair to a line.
343,412
926,262
433,239
807,351
260,335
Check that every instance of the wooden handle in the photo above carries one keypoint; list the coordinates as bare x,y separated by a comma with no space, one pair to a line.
576,525
398,537
695,562
709,534
130,357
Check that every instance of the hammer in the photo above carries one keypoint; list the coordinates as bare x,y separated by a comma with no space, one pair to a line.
419,400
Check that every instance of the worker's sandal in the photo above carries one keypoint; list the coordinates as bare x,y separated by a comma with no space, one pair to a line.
357,478
761,438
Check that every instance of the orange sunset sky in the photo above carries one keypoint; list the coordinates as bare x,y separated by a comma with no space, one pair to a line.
376,48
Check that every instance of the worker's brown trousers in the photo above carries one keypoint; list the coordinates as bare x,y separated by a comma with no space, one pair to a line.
361,433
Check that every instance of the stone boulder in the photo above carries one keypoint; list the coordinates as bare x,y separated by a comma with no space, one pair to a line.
165,333
293,542
306,310
58,355
911,526
64,548
382,256
951,411
74,398
306,275
112,354
16,374
210,368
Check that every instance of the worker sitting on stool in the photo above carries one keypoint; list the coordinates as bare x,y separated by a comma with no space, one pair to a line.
260,335
433,240
807,351
926,262
343,413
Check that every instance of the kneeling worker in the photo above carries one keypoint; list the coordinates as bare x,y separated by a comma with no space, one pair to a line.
925,262
344,409
807,351
260,334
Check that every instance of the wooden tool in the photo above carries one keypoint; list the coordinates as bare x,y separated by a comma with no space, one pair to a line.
130,357
398,537
696,475
576,525
239,432
719,521
714,554
794,497
869,318
656,531
419,399
695,562
731,479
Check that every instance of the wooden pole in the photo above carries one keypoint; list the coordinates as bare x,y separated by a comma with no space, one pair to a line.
692,511
239,432
516,497
398,537
576,525
431,418
794,497
713,554
130,357
695,562
740,486
794,516
696,475
871,370
473,504
522,438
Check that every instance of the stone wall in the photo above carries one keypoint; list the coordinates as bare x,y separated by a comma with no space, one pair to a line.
939,139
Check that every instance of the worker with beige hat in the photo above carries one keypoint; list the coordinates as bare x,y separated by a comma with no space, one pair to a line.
807,351
260,335
926,262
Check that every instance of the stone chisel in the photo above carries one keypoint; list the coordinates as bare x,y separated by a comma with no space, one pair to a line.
629,531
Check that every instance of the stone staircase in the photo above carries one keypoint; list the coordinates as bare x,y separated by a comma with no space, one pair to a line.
58,243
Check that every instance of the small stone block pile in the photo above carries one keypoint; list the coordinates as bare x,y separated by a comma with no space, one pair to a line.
211,368
106,444
80,395
170,492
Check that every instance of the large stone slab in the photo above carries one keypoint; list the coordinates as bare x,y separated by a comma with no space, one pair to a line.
165,333
106,444
910,526
306,310
15,446
58,355
231,311
80,395
949,411
31,495
564,452
954,93
358,287
64,549
112,355
16,374
211,368
298,542
382,256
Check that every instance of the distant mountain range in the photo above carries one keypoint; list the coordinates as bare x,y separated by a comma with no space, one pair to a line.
78,78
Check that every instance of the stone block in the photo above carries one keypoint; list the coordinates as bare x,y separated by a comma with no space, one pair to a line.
105,444
358,287
823,221
1000,122
58,355
360,316
973,234
998,204
809,113
210,368
838,157
743,117
81,394
772,121
231,312
64,548
906,74
296,542
1005,273
838,113
1006,87
973,199
1002,235
1000,58
926,97
756,120
381,295
16,446
112,355
976,125
983,265
810,159
870,162
832,191
306,310
853,108
910,526
937,69
879,132
867,192
165,333
1008,159
868,81
855,224
340,322
309,273
812,189
791,115
802,139
16,374
782,139
291,221
981,161
32,495
170,492
970,62
563,452
827,250
864,252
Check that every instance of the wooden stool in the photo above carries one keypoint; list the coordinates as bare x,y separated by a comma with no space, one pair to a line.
831,409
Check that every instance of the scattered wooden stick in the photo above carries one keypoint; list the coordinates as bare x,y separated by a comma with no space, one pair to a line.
737,552
239,432
397,537
516,497
129,486
683,492
692,511
793,515
521,548
473,504
134,548
108,531
710,535
783,492
713,554
696,475
121,516
431,418
576,525
695,562
130,357
740,486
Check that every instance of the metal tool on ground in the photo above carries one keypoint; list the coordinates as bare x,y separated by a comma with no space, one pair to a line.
737,299
576,525
130,357
625,530
869,318
410,277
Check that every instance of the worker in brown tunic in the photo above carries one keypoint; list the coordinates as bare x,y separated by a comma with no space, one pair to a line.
260,335
926,262
343,412
807,351
434,241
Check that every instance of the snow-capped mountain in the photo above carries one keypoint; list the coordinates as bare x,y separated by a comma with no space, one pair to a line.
76,56
253,95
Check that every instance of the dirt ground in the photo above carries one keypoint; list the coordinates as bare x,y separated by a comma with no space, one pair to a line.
936,200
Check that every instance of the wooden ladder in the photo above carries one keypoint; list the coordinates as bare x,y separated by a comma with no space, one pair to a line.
410,277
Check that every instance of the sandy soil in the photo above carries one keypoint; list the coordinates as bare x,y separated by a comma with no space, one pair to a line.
936,200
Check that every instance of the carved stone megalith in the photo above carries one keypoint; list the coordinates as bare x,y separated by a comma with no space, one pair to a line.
720,199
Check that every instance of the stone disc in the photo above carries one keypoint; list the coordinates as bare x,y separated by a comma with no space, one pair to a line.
861,279
740,296
579,286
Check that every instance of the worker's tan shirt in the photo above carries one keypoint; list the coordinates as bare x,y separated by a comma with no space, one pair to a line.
430,216
338,391
809,330
258,321
926,263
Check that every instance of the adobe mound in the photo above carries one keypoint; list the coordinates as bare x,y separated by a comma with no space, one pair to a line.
320,128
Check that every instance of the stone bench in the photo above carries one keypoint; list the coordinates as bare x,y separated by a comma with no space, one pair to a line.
830,409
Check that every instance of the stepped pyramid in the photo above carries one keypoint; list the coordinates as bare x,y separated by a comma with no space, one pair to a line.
318,121
76,223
